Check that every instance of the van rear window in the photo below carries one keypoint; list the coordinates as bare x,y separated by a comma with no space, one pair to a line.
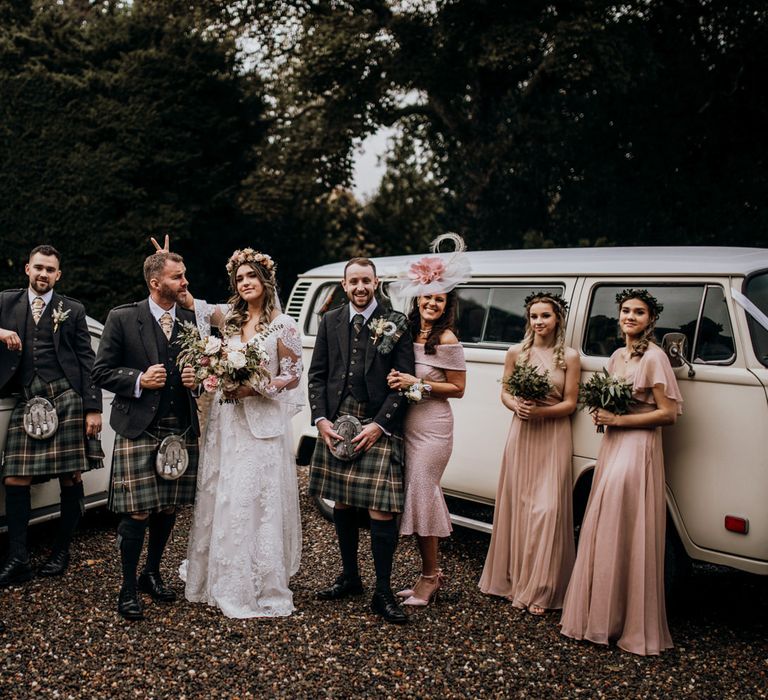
699,311
757,292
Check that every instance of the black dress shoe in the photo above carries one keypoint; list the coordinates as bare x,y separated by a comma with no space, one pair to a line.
150,582
342,587
385,604
55,565
129,604
15,570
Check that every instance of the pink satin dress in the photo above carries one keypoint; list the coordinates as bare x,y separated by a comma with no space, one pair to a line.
616,593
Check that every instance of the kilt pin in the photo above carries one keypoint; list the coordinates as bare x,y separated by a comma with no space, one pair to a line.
55,363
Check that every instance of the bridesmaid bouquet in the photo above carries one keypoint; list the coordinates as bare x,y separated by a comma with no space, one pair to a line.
224,364
527,383
603,390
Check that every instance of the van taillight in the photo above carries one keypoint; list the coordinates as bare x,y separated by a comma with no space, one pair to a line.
736,524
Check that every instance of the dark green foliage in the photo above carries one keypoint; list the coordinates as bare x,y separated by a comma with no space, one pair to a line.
117,126
528,383
604,390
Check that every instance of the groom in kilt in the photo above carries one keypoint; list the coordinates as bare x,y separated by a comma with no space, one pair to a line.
45,353
137,362
357,345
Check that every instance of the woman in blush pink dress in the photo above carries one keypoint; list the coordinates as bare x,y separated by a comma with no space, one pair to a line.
616,592
428,428
531,551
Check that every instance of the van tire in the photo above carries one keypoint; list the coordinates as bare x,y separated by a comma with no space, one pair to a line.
325,507
678,566
580,498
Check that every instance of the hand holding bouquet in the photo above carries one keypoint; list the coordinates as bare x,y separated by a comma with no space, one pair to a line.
527,383
224,364
604,390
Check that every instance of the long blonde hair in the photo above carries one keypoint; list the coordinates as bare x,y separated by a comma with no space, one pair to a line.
239,314
558,356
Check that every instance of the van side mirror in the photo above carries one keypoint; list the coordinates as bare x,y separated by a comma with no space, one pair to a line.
676,347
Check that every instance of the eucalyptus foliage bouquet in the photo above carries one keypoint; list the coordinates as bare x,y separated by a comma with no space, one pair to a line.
224,364
604,390
528,383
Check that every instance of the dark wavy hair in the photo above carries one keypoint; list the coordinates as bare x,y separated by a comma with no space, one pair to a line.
446,322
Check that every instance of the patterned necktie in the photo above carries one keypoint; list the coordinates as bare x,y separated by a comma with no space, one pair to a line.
37,308
166,323
357,323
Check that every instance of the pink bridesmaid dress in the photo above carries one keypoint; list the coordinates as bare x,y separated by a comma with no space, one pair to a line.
531,552
616,593
428,436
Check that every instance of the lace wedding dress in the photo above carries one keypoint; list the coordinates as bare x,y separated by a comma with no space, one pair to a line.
245,540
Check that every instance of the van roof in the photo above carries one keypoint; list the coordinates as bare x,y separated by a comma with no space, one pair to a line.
673,260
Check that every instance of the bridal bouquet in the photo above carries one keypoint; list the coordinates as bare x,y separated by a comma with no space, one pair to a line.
224,364
527,383
603,390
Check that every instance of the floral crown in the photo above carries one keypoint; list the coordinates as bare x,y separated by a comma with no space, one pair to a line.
643,295
547,296
249,255
433,275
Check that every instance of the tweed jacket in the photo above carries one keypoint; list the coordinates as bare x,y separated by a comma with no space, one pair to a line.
72,343
128,347
327,377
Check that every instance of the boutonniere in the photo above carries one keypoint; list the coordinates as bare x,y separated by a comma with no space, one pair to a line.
59,315
386,331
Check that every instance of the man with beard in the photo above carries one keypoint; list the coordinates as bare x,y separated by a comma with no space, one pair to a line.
45,355
137,362
356,347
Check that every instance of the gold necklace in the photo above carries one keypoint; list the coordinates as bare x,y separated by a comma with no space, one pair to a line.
425,333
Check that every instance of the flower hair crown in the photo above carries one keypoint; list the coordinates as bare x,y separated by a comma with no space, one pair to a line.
435,275
249,255
643,295
553,297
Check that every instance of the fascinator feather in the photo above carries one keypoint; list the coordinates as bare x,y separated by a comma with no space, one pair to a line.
435,274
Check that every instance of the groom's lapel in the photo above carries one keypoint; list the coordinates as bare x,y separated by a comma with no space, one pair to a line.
145,320
370,349
342,335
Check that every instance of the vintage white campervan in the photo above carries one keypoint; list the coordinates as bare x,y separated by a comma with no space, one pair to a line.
715,306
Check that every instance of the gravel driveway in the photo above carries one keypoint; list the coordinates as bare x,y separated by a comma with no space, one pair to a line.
66,640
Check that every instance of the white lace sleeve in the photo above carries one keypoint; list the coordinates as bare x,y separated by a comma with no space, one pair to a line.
284,386
204,312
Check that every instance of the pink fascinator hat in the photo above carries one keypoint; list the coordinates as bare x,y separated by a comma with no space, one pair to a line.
435,274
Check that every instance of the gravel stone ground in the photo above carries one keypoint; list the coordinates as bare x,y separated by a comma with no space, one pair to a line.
65,639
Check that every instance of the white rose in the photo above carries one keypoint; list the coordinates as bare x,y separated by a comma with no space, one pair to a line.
236,359
235,344
212,346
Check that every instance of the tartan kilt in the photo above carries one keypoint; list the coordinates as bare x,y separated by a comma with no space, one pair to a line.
135,486
63,452
374,480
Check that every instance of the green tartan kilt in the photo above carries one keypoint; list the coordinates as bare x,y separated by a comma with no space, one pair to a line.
374,480
63,452
135,486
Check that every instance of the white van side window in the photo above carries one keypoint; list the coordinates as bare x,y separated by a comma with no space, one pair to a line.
697,310
329,296
495,314
756,290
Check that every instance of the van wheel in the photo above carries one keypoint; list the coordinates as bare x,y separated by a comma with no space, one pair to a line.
580,498
677,565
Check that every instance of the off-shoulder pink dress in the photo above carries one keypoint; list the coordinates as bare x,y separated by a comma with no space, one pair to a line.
616,593
428,437
531,553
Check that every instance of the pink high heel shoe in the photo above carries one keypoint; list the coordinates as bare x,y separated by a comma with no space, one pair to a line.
433,584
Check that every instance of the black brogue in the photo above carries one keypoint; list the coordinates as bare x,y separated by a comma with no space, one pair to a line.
15,570
342,587
385,604
129,603
151,582
55,565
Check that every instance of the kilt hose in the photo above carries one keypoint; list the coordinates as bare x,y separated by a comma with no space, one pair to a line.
135,486
374,480
62,453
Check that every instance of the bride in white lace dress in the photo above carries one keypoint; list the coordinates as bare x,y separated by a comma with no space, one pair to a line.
245,540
